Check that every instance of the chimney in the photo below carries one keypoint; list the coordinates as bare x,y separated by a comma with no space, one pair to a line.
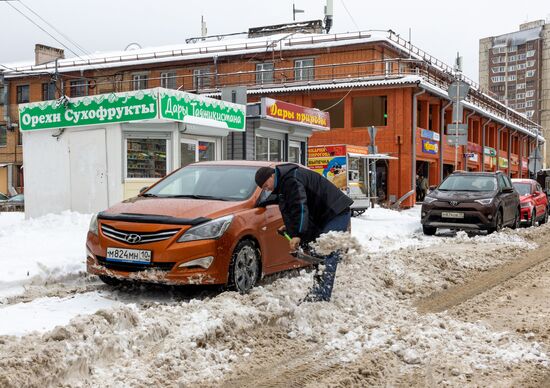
45,54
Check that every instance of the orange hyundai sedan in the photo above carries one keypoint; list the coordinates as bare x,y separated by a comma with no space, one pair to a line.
206,223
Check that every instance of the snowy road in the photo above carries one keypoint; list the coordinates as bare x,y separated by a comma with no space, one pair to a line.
61,327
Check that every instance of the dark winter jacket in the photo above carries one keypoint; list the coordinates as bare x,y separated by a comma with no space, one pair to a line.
307,200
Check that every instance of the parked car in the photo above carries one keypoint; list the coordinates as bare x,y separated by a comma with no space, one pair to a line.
471,201
15,203
207,223
543,178
3,197
533,201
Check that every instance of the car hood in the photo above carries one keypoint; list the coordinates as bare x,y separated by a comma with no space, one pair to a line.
178,207
461,195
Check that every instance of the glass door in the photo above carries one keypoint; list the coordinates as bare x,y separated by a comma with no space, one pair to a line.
207,150
189,152
294,152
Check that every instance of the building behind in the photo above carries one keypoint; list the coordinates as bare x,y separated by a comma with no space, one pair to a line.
516,68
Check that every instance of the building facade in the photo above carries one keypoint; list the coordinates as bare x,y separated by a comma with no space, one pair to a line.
362,79
516,68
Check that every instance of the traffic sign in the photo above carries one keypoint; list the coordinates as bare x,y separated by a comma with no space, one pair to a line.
457,129
458,112
457,140
458,90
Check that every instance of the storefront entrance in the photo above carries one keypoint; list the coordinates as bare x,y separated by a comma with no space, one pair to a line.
198,150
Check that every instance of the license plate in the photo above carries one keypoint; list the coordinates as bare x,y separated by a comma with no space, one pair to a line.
129,255
452,215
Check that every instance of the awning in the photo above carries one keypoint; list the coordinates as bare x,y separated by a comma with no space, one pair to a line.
371,156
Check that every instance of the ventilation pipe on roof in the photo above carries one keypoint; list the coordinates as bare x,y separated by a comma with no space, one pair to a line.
499,130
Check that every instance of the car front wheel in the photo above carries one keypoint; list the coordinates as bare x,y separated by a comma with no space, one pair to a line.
498,223
428,230
244,269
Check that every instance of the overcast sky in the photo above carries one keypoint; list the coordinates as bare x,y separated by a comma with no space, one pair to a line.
106,25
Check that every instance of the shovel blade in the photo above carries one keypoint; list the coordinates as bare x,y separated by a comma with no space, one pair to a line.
307,258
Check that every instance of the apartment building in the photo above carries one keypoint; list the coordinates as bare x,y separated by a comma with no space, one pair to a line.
362,79
516,68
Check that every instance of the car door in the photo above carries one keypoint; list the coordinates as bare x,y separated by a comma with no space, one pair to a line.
540,201
276,247
507,199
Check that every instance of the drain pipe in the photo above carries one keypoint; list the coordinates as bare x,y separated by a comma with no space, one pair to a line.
464,157
498,145
414,127
483,145
442,139
510,134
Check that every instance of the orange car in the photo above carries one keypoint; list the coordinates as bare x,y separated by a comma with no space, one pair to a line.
206,223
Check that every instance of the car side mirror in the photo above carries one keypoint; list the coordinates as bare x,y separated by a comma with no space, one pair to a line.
507,189
432,187
143,189
536,193
272,199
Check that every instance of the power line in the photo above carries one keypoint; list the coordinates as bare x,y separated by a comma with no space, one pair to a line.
37,25
56,30
349,14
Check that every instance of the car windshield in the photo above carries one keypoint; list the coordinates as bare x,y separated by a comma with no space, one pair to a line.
523,188
468,183
223,183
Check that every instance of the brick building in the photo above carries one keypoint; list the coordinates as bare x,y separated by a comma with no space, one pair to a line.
363,79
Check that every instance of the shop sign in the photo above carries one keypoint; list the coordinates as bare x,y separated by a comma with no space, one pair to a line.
524,164
89,110
429,147
490,160
490,151
502,162
427,134
472,156
514,160
475,147
357,150
329,161
195,109
291,113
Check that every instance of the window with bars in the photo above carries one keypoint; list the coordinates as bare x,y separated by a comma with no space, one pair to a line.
168,80
202,78
3,136
264,72
140,81
303,69
22,92
48,91
78,88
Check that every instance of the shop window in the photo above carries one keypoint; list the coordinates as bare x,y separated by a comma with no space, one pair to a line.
78,88
22,94
1,95
140,81
269,149
3,136
303,69
369,110
146,158
295,152
264,72
201,78
48,91
335,107
168,80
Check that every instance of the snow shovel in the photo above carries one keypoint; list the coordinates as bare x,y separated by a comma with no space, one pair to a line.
300,254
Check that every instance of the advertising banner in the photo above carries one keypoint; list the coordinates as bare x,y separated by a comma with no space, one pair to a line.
90,110
430,147
502,162
329,161
291,113
427,134
138,105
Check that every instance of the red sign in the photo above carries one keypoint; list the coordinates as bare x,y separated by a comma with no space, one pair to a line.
285,111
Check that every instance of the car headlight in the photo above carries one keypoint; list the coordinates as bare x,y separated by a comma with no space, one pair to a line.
210,230
93,225
485,201
526,204
429,199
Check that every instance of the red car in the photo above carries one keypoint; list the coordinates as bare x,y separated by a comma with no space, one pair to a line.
533,201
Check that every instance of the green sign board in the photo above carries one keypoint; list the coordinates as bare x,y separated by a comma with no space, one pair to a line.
490,151
132,106
194,109
91,110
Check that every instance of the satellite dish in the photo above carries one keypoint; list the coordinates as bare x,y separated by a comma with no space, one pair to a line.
132,46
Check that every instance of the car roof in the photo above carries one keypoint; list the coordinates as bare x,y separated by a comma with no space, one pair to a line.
477,173
523,180
249,163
